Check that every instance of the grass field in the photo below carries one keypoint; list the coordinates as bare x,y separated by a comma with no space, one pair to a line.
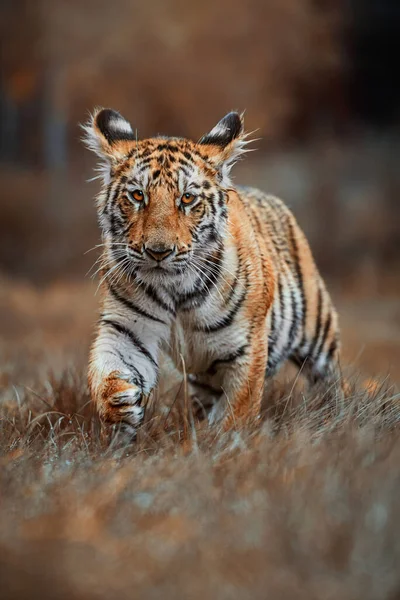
304,506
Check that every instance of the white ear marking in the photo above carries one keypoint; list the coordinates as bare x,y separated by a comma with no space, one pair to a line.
104,129
229,139
120,125
224,132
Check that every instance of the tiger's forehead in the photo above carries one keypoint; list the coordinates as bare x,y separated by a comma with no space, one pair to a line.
167,161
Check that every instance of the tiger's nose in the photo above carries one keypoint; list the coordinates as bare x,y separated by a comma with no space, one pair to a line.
159,252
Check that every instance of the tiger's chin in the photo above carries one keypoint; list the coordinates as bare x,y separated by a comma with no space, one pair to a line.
157,273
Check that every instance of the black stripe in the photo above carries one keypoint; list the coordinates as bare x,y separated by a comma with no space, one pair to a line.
137,378
144,165
297,360
113,217
182,299
210,200
318,325
272,359
202,287
115,194
108,192
293,327
119,403
228,319
151,292
135,340
256,220
299,275
202,228
131,153
129,304
110,198
235,278
224,213
212,369
324,336
271,333
185,163
212,236
185,171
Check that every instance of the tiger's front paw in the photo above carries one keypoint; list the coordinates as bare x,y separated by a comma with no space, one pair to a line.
122,403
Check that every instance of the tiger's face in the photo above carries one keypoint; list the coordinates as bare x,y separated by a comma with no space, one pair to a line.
163,206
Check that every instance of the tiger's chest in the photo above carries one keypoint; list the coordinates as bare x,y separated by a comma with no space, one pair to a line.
198,349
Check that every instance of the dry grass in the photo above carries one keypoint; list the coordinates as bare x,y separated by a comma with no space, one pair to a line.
305,505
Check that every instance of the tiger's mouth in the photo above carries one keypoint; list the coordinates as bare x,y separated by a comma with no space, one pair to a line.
163,268
129,262
172,268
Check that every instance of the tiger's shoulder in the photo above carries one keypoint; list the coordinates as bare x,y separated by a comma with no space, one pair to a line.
270,215
264,201
274,222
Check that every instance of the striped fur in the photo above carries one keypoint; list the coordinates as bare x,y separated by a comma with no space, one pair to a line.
237,295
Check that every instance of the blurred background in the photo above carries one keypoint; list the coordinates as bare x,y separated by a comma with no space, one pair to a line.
317,78
307,509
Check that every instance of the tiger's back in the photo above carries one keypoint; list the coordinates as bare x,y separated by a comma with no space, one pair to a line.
302,325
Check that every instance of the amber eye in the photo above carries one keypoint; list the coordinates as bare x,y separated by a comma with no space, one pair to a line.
188,198
137,195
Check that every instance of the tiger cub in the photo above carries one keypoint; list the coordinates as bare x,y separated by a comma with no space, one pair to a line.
219,275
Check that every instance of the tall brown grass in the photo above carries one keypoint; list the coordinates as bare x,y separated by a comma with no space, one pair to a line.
302,505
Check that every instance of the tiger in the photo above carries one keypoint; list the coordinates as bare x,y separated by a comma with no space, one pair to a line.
219,277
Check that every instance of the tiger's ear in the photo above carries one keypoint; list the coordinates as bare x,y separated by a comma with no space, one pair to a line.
108,134
226,143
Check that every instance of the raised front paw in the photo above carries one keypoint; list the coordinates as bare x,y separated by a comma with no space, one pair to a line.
122,401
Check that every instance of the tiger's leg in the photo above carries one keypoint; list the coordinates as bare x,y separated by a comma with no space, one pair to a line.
203,395
123,370
239,376
318,355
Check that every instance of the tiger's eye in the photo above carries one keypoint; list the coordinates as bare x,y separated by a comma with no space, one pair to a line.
188,198
137,195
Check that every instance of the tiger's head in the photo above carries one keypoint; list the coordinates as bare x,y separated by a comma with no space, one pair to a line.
164,199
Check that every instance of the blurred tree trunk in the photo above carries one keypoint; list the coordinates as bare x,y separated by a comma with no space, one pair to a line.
54,119
8,128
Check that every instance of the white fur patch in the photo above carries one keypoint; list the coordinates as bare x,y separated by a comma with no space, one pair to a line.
97,143
120,125
218,130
